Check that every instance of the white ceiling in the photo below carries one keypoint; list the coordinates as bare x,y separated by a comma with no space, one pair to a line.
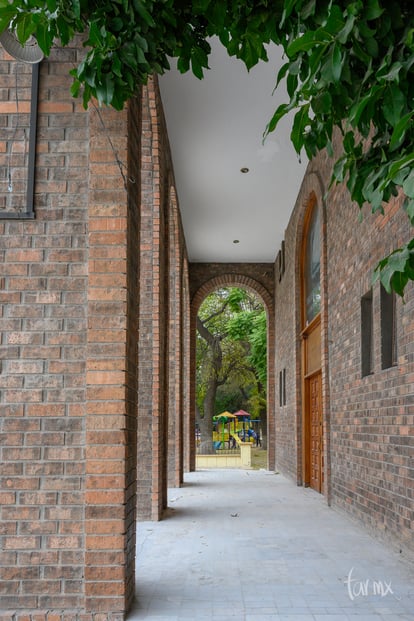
215,126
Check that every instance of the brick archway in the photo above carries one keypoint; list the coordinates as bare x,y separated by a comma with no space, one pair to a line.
258,278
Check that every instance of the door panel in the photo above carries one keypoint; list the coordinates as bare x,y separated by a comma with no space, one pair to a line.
316,443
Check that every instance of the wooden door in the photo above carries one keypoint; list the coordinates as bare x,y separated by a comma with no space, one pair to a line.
313,471
316,435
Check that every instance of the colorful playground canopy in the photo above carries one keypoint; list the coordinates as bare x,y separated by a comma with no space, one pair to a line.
242,414
224,417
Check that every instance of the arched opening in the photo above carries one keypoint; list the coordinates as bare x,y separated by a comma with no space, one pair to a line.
311,371
261,293
231,378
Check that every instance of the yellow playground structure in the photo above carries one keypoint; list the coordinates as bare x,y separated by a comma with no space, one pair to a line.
229,430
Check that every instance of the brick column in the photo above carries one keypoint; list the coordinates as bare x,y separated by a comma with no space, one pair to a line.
153,341
175,354
188,420
110,437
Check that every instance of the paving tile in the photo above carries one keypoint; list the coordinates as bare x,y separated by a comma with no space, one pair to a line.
251,546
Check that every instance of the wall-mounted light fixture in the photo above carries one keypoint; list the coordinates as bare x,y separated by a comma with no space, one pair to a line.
30,52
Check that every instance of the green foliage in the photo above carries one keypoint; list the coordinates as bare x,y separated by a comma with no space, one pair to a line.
228,399
231,349
349,65
397,269
128,40
251,326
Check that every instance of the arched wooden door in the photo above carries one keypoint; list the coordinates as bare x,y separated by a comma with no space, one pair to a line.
313,466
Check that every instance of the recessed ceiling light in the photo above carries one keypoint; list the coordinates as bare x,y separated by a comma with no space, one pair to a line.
236,241
244,170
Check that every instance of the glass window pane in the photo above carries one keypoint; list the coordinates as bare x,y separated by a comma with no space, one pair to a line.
312,267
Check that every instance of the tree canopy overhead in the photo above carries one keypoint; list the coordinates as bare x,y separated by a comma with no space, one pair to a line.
349,65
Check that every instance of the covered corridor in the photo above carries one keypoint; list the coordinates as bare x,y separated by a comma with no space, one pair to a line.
246,545
98,306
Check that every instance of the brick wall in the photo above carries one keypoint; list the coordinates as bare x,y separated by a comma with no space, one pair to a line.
69,322
288,319
368,422
372,418
43,349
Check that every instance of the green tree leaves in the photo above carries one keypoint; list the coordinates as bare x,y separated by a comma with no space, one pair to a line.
352,63
349,65
231,346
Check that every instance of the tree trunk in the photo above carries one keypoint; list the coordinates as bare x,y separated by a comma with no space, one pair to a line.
206,423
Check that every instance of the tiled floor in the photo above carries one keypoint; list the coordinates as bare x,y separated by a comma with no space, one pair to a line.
242,545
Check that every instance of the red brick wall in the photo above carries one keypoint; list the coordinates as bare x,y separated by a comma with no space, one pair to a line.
44,341
111,365
368,422
69,321
372,429
151,405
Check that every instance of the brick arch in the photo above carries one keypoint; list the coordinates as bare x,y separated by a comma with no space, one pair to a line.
313,192
234,279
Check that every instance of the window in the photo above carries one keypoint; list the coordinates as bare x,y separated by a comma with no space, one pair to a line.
388,329
282,387
312,267
17,165
366,334
281,260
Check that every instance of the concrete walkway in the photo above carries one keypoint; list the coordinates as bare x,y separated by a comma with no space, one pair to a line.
251,546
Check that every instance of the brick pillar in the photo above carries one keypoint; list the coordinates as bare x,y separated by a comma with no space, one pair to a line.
271,378
153,342
175,354
111,376
188,420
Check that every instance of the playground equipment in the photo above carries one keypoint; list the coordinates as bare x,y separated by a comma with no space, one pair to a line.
225,427
228,428
233,436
